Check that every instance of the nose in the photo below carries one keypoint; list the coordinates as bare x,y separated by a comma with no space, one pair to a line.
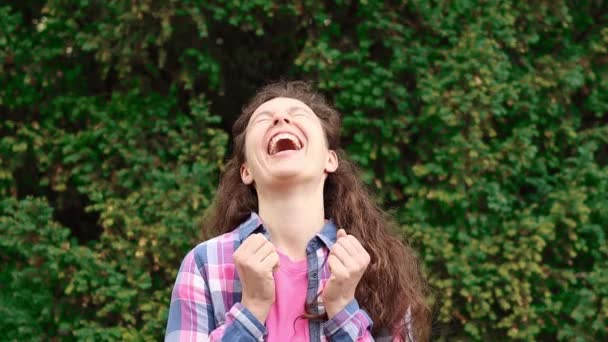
280,117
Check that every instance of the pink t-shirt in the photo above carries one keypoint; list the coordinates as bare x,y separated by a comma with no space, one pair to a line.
291,283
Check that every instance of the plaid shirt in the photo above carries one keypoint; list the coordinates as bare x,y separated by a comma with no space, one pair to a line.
205,304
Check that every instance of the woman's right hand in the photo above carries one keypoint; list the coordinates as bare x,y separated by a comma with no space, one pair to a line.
255,261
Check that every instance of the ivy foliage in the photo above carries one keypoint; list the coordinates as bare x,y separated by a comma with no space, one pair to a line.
480,125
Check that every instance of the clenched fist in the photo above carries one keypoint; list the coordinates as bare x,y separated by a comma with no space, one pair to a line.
347,262
255,261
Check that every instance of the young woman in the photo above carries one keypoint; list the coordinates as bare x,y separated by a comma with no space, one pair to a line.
303,253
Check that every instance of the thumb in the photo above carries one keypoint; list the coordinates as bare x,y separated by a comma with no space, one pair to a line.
341,233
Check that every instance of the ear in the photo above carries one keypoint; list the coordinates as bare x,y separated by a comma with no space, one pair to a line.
246,175
331,164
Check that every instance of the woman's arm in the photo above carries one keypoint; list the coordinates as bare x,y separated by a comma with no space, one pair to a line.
349,325
354,324
191,316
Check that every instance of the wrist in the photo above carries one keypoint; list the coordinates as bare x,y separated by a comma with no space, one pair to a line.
259,309
333,307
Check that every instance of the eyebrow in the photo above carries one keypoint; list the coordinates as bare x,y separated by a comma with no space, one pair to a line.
290,111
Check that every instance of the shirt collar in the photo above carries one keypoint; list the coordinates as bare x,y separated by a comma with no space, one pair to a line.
328,233
250,226
253,224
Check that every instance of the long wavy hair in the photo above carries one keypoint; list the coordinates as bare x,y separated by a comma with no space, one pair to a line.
393,281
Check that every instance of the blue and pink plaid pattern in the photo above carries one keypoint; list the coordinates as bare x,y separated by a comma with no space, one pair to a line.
205,304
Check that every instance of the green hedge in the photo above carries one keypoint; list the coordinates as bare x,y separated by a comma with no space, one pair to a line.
481,126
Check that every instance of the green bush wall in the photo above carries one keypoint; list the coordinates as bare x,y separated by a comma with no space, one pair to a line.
481,126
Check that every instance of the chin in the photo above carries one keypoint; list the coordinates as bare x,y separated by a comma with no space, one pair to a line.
292,175
286,174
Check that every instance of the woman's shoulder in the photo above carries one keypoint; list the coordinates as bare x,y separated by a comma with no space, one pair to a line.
216,250
220,249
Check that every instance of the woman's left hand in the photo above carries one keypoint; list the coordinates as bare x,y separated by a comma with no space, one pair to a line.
347,262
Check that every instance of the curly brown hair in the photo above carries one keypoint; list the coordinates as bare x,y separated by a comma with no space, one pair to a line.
393,281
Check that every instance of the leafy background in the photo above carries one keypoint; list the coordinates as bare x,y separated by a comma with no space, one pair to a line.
481,126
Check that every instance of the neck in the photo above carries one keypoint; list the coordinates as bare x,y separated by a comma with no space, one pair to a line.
293,216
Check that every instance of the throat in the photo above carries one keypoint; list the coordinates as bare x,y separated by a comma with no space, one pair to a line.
292,221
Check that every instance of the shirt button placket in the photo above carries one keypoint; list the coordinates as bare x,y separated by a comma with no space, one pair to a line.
313,286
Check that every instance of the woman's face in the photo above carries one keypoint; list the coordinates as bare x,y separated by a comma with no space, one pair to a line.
285,144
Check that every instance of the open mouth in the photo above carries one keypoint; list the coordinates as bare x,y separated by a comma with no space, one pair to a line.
283,142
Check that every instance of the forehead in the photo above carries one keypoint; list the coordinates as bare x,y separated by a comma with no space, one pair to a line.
281,104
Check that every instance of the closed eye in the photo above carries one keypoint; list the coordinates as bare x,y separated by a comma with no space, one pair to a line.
265,116
301,114
259,120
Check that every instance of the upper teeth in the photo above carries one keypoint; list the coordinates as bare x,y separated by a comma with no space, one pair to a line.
272,146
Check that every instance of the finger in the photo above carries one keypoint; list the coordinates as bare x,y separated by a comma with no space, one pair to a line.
253,243
339,252
356,250
356,244
266,249
341,233
348,246
271,261
336,267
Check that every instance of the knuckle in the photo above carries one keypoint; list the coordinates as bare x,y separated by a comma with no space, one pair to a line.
254,237
363,266
363,259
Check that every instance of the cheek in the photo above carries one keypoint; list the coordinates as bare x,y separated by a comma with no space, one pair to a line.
249,150
320,134
257,132
252,144
320,139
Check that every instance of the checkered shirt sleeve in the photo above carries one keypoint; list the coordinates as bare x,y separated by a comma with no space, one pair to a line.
191,313
350,324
